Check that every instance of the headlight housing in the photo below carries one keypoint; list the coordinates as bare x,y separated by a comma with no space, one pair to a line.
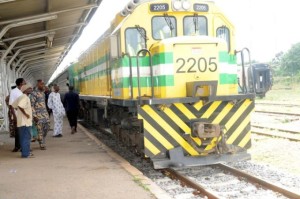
186,5
177,4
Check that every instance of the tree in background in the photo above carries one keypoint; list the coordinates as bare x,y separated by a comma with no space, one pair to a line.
290,62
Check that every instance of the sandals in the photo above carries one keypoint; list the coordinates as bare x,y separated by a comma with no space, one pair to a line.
42,147
30,156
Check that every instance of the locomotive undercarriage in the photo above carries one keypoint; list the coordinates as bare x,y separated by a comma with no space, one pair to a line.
129,129
126,128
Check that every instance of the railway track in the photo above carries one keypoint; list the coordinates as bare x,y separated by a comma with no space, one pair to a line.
287,134
277,104
259,188
278,113
190,185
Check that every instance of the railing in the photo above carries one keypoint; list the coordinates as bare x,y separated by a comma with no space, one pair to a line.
244,84
138,73
130,73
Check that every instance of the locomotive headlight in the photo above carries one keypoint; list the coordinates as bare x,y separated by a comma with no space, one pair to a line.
186,5
177,4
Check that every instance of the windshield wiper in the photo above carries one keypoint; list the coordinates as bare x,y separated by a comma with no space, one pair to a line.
196,23
142,32
169,22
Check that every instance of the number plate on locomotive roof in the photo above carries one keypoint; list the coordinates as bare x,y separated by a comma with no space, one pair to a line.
159,7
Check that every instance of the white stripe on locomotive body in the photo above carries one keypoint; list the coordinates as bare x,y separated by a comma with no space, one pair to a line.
158,70
228,68
93,71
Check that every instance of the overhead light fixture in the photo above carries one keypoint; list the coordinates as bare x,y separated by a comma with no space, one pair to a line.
6,1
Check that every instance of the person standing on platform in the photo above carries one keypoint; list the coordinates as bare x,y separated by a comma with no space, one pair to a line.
47,93
54,103
71,104
24,120
12,123
13,96
39,113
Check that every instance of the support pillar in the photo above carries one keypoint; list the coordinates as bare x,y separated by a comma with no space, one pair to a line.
4,92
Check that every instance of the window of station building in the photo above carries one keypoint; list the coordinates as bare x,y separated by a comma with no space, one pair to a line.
163,27
135,40
195,25
224,33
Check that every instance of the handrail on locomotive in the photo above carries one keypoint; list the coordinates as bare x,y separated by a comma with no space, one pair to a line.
138,72
244,84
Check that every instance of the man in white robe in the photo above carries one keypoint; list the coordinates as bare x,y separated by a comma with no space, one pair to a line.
58,110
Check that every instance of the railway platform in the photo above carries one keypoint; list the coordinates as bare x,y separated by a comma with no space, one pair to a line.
73,166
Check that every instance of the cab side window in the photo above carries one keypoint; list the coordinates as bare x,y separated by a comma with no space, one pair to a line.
134,41
224,33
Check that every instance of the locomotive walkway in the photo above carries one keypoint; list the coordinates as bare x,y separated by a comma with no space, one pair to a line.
74,166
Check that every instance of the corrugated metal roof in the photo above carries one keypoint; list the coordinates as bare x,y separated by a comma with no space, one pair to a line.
41,32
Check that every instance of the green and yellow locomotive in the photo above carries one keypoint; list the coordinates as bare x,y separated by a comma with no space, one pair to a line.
164,77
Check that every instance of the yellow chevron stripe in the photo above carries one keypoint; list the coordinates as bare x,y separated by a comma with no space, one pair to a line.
198,105
156,134
245,140
185,111
238,130
181,124
238,114
217,120
223,113
170,131
211,109
151,146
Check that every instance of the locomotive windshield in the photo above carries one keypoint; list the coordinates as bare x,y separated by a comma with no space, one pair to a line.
135,40
195,25
163,27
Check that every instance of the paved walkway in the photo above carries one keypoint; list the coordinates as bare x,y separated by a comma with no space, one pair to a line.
74,166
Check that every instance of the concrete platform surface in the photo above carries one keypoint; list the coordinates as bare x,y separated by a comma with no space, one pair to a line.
74,166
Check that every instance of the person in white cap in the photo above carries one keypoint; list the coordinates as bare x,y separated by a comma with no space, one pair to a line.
13,96
24,120
54,103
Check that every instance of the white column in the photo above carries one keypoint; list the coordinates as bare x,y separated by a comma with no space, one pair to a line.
4,123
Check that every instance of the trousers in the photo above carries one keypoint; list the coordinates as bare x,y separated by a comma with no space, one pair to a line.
25,137
72,118
42,129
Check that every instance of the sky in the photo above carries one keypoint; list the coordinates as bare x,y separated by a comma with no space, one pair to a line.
266,27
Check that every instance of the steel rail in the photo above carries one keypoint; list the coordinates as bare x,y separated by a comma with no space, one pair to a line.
277,113
190,183
275,135
275,104
275,128
259,181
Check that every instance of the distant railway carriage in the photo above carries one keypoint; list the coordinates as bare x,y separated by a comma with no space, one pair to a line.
164,77
258,79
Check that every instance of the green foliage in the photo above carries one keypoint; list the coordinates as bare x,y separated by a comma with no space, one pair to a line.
290,62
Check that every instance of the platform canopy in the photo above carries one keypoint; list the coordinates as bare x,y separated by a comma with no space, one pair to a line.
35,35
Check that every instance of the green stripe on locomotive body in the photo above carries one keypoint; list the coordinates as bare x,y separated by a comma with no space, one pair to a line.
228,68
120,71
227,64
94,70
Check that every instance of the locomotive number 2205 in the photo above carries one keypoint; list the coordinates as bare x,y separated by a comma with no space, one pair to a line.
192,65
